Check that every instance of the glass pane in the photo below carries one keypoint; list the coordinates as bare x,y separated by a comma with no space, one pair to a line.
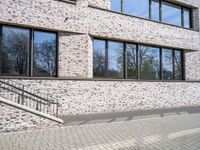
155,10
44,54
99,52
116,5
186,18
149,62
178,65
115,59
15,51
171,14
137,7
131,61
167,64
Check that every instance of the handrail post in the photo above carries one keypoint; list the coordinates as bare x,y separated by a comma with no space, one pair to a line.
57,105
23,95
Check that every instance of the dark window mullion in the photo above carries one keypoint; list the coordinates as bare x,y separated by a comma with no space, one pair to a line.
106,55
57,54
161,65
182,17
122,5
125,61
160,10
150,3
31,53
183,64
191,19
173,63
1,47
138,61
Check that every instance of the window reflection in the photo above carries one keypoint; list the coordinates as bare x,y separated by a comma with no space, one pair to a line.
186,13
99,67
15,51
144,62
115,59
177,65
131,61
171,14
167,64
149,62
116,5
137,7
155,10
44,54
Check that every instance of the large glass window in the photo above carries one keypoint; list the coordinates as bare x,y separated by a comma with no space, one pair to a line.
178,66
44,54
136,7
186,14
116,5
116,60
171,14
131,53
14,54
167,64
158,10
155,10
19,58
149,64
99,58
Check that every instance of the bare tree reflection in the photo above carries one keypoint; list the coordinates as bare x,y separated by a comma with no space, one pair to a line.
45,56
99,62
14,54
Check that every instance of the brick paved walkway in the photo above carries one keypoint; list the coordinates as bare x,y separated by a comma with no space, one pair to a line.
177,132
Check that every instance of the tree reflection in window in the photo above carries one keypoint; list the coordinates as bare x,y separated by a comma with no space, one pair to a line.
131,61
177,65
167,64
15,51
115,59
149,65
44,54
99,67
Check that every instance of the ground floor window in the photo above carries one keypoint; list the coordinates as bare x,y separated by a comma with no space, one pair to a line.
112,59
28,52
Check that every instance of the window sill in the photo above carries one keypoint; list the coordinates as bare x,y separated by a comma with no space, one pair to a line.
96,79
121,13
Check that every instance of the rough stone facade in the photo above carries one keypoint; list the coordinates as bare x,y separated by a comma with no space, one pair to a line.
77,24
13,119
84,97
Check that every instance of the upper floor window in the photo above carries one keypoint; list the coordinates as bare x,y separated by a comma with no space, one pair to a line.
19,58
112,59
171,14
136,7
157,10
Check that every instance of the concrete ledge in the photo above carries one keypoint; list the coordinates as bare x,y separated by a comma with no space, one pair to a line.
8,102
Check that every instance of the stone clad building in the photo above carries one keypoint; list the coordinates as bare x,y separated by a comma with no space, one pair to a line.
100,56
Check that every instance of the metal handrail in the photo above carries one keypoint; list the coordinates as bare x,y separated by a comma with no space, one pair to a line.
28,98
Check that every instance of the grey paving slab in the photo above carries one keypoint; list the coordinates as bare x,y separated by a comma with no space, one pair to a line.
170,132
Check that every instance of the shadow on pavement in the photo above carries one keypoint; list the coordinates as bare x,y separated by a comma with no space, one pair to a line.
127,116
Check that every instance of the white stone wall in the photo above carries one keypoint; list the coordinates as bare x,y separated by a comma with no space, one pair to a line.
13,119
75,54
83,97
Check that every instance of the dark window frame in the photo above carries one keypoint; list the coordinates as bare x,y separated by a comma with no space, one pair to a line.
160,13
31,49
138,60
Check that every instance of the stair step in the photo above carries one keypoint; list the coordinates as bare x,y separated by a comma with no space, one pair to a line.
11,103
